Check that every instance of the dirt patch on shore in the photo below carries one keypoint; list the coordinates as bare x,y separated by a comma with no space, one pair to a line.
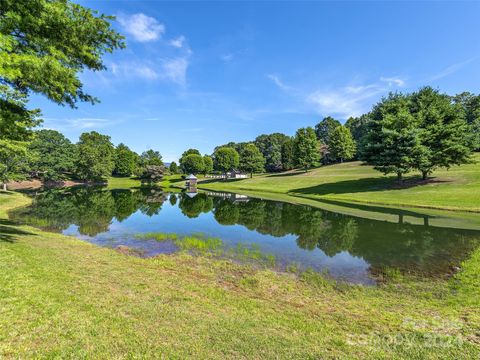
38,184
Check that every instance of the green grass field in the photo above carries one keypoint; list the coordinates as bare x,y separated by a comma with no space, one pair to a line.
64,298
455,189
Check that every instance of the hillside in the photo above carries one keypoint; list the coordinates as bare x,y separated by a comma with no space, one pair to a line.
454,189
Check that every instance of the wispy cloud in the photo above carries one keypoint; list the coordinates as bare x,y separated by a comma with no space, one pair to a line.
450,70
141,27
78,123
276,80
227,57
345,101
394,80
175,70
133,69
178,42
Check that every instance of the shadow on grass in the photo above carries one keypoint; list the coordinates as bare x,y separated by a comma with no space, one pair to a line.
9,233
365,185
293,173
219,181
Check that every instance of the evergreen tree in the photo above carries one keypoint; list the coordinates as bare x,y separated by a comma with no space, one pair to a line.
151,157
251,159
306,148
341,145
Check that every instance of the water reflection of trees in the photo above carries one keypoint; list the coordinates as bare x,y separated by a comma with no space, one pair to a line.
92,210
380,243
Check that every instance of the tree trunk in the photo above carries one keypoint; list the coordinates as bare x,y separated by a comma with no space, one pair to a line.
424,175
4,186
251,175
399,177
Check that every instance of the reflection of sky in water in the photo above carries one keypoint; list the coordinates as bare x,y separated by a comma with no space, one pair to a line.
171,220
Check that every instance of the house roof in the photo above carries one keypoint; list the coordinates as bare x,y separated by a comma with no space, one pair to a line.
191,177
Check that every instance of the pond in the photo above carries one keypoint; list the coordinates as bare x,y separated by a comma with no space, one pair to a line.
277,234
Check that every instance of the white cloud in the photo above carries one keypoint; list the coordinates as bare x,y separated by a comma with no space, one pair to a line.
143,28
78,123
450,70
132,69
276,80
393,81
177,42
346,101
227,57
175,70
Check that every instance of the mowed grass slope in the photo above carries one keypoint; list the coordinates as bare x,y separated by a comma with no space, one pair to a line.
455,189
61,297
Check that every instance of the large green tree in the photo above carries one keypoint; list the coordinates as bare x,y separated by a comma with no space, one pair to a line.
251,159
288,154
151,157
341,145
271,148
324,129
470,104
193,164
208,164
225,159
53,155
184,155
13,161
173,168
392,137
47,43
125,160
95,159
444,134
306,148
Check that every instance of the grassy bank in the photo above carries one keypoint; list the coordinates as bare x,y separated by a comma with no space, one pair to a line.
455,189
61,297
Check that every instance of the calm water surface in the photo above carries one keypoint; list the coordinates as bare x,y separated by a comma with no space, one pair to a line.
349,248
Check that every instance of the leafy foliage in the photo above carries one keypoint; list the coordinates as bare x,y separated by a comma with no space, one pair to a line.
125,161
193,164
341,145
173,168
53,155
152,174
306,148
271,148
47,43
95,156
288,154
324,129
226,159
251,159
208,164
151,157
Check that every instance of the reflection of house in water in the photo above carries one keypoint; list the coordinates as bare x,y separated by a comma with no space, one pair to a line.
230,196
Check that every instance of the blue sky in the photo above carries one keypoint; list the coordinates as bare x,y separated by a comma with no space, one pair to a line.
200,74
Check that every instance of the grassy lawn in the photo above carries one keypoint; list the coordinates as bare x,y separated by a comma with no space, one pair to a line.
61,297
455,189
115,182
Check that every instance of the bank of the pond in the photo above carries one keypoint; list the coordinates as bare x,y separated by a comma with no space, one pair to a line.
455,189
63,297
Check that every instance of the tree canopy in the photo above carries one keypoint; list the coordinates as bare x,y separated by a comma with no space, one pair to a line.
125,160
95,159
341,145
324,129
226,159
193,164
251,159
306,148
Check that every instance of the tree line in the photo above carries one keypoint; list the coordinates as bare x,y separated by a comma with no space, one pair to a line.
44,54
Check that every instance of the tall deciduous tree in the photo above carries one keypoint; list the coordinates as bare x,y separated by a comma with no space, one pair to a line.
251,159
271,148
288,154
13,161
208,164
173,168
226,159
342,146
124,161
47,43
306,148
95,159
193,164
53,155
324,129
184,155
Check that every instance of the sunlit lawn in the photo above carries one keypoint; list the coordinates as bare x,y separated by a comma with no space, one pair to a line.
61,297
457,188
